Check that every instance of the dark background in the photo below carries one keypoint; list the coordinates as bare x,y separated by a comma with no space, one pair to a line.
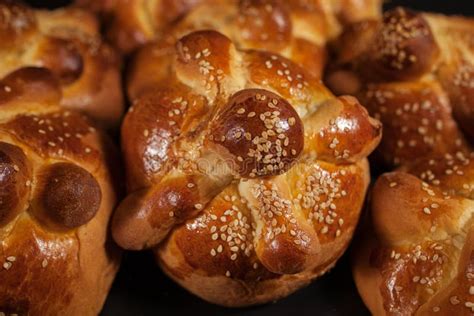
141,289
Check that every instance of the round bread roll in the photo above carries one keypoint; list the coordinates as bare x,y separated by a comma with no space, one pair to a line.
67,42
414,71
56,198
246,176
297,27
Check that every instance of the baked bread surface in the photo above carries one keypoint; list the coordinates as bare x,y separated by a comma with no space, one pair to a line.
56,198
246,176
67,42
414,72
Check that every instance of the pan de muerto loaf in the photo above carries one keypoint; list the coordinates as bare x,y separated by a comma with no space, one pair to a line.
296,27
246,175
67,42
56,198
296,30
415,71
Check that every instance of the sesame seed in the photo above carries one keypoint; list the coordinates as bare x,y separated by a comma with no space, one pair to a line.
469,305
198,206
7,265
454,300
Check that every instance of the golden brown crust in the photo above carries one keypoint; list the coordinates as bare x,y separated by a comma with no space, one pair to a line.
67,42
269,121
413,72
404,47
418,120
232,236
70,195
296,29
55,203
15,171
418,261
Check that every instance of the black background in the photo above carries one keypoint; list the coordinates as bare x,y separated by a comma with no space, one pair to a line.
141,289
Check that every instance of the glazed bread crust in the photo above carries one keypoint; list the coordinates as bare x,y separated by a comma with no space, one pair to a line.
246,176
67,42
311,23
56,198
413,71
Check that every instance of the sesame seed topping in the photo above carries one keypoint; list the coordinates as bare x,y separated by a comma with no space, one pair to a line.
454,300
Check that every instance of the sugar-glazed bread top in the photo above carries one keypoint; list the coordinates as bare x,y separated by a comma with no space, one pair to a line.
413,71
131,23
247,165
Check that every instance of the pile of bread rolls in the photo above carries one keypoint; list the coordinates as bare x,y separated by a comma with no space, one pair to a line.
242,162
